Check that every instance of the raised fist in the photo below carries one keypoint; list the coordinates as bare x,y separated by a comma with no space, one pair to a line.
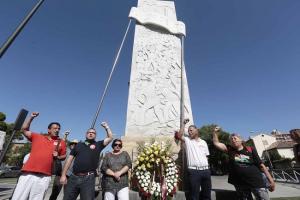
67,132
104,125
34,114
185,121
217,129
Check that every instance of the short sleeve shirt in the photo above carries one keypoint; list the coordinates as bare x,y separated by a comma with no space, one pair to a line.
41,154
87,156
244,168
115,163
197,152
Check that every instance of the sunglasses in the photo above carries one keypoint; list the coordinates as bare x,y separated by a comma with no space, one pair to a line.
117,144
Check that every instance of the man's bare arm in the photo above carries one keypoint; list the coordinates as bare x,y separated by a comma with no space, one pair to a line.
63,178
26,126
218,145
180,134
269,177
109,134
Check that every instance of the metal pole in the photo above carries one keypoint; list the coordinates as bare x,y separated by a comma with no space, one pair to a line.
182,116
182,84
19,29
109,78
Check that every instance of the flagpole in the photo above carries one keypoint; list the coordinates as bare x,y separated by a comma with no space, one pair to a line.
182,84
182,116
13,36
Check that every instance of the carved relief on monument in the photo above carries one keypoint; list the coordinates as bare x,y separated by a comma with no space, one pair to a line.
155,82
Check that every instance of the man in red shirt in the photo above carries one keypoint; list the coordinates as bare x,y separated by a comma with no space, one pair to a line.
36,172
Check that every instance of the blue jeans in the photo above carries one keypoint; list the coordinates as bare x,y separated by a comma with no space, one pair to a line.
199,178
83,185
244,193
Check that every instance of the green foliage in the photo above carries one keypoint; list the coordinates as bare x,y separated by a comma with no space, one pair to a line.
3,126
217,159
249,143
15,158
2,117
274,155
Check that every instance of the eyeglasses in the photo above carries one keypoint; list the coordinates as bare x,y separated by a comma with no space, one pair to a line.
92,132
118,144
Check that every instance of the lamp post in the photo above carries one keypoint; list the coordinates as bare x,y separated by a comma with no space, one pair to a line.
13,36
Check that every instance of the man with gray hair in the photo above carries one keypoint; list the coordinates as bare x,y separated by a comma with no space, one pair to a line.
86,160
197,163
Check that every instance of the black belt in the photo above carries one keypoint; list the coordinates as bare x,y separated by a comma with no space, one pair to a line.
84,173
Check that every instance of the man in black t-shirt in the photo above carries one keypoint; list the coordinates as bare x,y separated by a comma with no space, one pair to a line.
86,155
245,168
295,135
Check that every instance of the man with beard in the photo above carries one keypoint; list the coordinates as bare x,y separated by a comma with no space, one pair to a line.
86,155
36,172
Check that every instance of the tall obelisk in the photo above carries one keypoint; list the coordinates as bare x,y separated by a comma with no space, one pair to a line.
155,81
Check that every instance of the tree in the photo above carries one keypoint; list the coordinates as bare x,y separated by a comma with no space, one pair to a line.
217,159
3,125
274,155
15,157
2,117
8,128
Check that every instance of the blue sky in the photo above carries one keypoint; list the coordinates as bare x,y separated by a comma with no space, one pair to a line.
242,60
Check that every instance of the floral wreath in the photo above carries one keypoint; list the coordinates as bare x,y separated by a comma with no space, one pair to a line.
155,173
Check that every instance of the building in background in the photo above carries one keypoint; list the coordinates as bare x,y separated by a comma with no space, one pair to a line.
281,137
284,149
262,142
281,142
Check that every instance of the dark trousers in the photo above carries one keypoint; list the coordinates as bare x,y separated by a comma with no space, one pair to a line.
56,188
197,179
83,185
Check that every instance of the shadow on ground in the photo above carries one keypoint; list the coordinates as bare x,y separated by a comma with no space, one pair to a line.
225,194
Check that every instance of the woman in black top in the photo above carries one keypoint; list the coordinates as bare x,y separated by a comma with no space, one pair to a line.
245,169
115,168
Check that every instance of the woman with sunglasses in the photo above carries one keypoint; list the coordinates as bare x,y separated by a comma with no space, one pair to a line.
115,168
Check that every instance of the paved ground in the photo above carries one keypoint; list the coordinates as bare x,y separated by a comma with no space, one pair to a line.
221,189
281,189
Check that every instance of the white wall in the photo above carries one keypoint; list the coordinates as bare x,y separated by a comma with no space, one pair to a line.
286,153
262,142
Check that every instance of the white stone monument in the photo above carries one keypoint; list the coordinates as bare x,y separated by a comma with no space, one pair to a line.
155,82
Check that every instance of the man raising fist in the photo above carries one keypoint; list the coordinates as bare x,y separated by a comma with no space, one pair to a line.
36,172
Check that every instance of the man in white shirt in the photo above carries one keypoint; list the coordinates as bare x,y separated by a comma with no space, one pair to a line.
197,163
